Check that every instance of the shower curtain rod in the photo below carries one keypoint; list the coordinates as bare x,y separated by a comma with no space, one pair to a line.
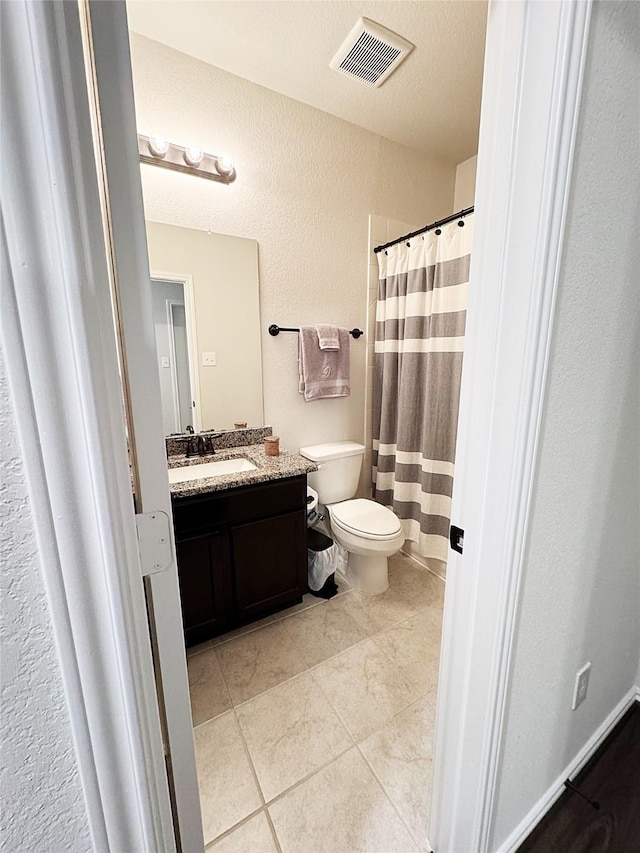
460,215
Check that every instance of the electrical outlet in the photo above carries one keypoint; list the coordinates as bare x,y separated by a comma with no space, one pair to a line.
208,359
581,685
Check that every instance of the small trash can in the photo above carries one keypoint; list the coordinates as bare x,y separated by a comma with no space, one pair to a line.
325,558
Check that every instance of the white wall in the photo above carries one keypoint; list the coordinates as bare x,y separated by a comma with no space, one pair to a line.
580,595
42,802
465,187
307,182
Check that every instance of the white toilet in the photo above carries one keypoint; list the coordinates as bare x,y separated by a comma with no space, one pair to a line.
368,531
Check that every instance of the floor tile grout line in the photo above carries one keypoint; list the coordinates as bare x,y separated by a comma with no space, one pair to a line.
310,775
389,798
280,617
244,742
298,674
226,687
235,826
400,666
355,742
321,663
277,617
334,709
253,767
284,615
273,830
393,718
330,760
312,666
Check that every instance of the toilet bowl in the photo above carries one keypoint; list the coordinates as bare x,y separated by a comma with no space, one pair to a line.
368,531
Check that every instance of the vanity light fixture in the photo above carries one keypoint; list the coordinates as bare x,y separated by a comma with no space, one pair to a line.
224,166
189,160
157,146
193,156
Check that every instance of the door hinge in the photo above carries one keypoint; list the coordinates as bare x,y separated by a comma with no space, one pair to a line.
456,538
154,541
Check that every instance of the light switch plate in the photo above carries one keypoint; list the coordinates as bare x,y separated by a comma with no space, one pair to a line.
164,361
581,685
208,359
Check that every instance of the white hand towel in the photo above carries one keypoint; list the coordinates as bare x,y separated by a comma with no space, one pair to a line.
328,337
323,373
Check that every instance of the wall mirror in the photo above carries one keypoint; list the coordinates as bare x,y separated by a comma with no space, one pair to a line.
206,314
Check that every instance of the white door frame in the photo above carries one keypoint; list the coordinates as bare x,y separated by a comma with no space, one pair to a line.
186,280
534,64
54,278
122,188
56,327
173,367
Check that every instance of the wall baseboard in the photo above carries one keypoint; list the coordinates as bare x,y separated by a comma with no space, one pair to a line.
539,810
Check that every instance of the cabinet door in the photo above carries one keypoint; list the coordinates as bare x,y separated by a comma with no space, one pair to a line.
204,570
270,562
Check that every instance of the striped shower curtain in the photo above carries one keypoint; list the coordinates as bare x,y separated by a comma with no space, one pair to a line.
420,319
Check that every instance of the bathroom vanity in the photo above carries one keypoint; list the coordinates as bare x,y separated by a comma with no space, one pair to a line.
241,542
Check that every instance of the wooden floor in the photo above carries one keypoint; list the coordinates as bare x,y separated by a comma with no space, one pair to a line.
612,779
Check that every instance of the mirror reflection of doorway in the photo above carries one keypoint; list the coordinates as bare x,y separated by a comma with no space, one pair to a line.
170,323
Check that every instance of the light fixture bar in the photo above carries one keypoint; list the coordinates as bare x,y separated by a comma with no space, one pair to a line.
190,161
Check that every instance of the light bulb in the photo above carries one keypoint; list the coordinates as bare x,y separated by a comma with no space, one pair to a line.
224,166
193,156
158,146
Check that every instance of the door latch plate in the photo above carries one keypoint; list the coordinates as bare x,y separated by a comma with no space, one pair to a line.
456,538
154,541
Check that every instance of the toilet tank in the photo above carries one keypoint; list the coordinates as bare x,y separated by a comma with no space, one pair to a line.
338,474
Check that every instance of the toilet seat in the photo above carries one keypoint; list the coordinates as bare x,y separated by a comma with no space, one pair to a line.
366,518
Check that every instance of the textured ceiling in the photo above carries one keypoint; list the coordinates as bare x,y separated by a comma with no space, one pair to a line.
431,103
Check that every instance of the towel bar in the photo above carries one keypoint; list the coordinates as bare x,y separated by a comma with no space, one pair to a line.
275,330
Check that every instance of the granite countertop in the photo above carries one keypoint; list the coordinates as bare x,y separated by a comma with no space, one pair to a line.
268,468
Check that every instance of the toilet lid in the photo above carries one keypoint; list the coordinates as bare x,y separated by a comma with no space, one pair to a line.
366,518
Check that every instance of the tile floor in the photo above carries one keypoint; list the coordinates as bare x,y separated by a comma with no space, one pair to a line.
314,727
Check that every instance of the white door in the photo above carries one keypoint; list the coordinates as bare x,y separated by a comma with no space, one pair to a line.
113,87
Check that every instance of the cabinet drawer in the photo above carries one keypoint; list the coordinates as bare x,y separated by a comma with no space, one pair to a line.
195,515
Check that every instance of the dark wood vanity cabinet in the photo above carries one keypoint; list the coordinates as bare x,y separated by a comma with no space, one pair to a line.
206,588
242,553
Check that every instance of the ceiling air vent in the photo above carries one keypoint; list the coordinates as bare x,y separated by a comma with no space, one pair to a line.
370,53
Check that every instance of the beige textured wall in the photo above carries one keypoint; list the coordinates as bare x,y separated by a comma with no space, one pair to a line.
225,290
306,185
465,187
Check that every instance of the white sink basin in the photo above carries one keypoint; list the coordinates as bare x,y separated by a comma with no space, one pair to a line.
210,469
